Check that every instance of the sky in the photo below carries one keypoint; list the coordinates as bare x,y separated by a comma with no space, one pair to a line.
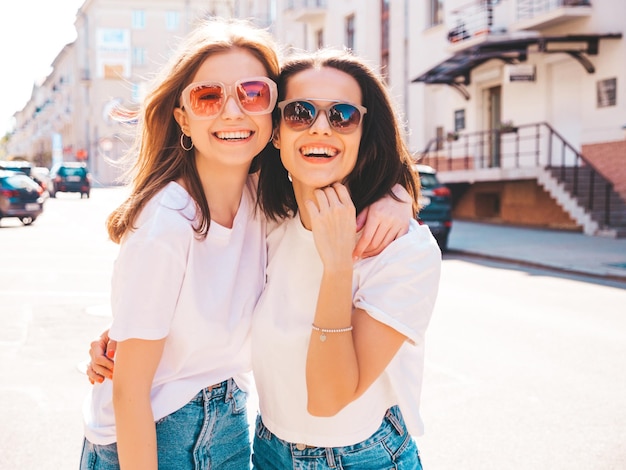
32,33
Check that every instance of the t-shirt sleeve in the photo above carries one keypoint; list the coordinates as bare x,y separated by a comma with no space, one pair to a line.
399,286
146,284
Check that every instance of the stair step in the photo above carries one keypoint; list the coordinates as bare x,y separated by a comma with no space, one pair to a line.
590,185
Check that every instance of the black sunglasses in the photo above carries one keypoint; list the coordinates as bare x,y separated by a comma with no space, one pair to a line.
300,114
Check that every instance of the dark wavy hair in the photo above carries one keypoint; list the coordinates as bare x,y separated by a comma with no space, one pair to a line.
383,160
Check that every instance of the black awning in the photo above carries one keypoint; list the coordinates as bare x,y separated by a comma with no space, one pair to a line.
456,69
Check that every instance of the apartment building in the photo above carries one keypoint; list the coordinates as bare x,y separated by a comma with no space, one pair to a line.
119,46
526,111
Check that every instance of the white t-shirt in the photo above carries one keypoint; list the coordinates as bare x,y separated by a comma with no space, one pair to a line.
397,287
198,293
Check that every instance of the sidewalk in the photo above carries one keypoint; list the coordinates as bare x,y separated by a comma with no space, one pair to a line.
561,250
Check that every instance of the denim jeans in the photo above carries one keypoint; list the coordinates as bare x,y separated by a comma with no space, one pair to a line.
210,432
390,447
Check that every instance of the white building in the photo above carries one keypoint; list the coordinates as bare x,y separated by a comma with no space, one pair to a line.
517,103
119,45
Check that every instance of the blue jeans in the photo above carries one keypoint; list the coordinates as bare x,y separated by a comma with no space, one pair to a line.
390,447
209,432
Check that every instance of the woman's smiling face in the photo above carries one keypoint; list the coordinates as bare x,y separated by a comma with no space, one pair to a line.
319,155
231,137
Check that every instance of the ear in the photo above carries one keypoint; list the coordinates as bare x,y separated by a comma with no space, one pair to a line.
181,119
276,139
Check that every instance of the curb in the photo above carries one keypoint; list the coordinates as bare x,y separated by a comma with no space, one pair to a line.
539,265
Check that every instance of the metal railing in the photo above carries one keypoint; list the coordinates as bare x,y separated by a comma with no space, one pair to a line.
472,19
527,9
536,145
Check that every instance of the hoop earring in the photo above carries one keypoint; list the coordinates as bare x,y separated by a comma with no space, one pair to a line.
182,142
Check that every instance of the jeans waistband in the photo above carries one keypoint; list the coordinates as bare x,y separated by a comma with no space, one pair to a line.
219,390
392,422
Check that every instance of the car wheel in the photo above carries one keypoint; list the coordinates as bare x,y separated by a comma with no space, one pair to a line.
27,220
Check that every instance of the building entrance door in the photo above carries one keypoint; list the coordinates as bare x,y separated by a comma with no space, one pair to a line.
494,113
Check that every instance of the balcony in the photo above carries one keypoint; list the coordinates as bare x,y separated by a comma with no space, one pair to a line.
306,11
540,14
472,23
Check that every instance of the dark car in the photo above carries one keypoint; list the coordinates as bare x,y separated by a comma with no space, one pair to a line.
69,177
37,173
436,202
20,166
20,197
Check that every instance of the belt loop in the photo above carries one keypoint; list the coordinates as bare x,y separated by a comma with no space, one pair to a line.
330,457
394,420
267,434
230,385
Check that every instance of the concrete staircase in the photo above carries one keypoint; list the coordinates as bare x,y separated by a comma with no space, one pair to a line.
588,198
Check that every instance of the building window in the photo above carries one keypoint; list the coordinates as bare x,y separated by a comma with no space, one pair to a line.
319,38
172,20
459,120
350,32
384,40
607,92
139,56
435,15
139,19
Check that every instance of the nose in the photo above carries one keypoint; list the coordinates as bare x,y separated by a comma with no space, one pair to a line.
320,124
232,109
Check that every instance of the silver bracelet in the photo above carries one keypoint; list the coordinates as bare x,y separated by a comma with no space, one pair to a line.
329,330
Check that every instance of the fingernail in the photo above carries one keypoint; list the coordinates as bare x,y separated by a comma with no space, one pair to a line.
91,380
110,353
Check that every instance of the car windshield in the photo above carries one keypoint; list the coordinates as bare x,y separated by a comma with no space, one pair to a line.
20,182
69,171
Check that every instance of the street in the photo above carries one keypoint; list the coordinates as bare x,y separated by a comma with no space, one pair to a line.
525,368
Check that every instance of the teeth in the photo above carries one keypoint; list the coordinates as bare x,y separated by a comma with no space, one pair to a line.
327,151
233,135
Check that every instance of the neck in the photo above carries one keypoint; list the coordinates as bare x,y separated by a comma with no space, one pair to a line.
303,193
223,188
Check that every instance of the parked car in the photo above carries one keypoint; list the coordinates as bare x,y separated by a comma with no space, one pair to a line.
36,173
436,202
21,166
20,197
69,177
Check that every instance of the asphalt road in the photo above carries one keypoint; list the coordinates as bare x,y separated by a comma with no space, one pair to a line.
524,369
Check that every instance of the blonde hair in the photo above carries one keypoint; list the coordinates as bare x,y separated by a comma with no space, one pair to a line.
157,157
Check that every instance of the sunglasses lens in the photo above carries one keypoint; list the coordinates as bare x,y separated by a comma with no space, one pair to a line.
344,117
299,115
206,100
255,96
